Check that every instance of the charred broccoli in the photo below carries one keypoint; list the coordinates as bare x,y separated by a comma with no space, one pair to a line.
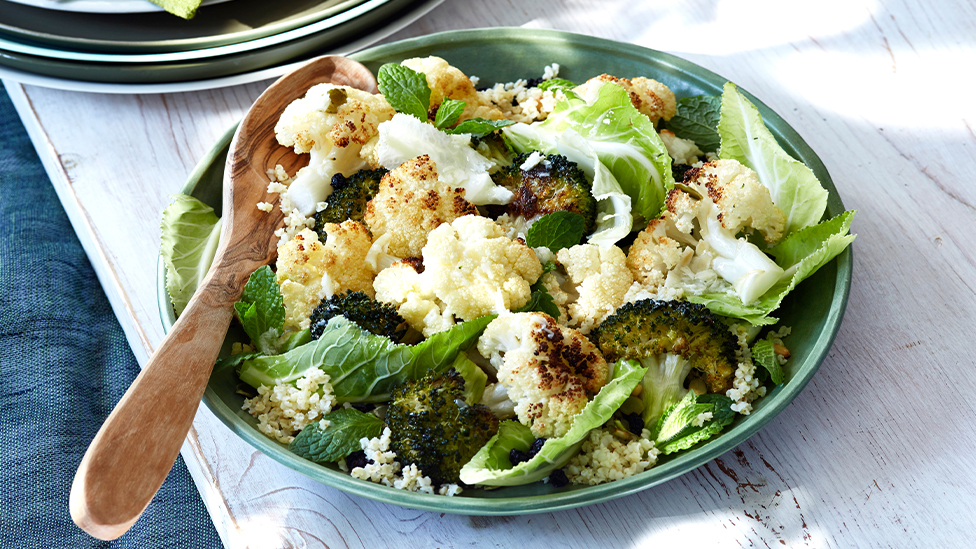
433,428
373,316
552,184
348,199
683,345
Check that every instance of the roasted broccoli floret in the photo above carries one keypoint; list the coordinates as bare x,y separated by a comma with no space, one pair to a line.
433,428
493,147
551,184
650,327
685,348
373,316
349,197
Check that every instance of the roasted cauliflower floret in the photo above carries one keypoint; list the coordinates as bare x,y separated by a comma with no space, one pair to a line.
744,202
477,270
601,278
550,372
653,253
412,202
310,271
403,286
469,269
332,123
448,82
650,97
682,151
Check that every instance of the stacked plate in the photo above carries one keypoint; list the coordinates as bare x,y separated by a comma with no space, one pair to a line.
132,45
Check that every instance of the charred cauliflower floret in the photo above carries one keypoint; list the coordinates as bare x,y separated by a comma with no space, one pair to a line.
410,203
650,97
600,277
310,271
550,372
448,82
469,269
744,202
332,123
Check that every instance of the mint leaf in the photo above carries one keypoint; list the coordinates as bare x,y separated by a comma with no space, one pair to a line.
479,127
261,310
763,355
540,301
697,119
233,361
555,84
448,113
341,438
556,231
405,89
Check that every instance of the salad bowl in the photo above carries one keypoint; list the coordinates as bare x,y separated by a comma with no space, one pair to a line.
814,310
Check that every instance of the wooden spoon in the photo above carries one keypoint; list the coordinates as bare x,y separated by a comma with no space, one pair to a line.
137,445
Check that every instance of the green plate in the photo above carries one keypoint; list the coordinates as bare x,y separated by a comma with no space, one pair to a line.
207,67
214,26
814,309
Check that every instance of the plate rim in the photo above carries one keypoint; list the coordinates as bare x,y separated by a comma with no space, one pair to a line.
184,45
103,6
586,495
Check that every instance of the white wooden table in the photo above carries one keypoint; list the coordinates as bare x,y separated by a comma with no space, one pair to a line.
878,451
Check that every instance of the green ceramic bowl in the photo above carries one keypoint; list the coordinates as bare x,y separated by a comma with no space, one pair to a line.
814,309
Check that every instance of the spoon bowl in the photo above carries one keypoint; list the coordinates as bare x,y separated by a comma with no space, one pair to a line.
137,445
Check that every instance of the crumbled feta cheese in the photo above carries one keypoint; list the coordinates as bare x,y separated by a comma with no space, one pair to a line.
265,206
532,161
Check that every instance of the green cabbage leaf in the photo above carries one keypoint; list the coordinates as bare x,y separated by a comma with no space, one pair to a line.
491,466
363,367
190,235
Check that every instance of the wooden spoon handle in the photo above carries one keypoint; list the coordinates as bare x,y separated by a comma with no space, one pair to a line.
137,445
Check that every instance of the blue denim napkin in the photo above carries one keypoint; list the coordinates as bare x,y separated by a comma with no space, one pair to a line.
64,363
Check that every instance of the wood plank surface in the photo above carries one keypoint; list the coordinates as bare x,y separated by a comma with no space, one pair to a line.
877,451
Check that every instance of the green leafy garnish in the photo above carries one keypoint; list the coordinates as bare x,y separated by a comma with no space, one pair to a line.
261,310
475,379
540,300
341,438
554,84
363,367
678,427
764,355
479,127
792,185
556,230
697,119
448,113
190,235
800,255
405,89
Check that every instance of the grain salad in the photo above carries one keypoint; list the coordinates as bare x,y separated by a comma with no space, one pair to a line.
480,286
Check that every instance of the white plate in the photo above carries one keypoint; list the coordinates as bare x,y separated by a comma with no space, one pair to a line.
102,6
402,20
